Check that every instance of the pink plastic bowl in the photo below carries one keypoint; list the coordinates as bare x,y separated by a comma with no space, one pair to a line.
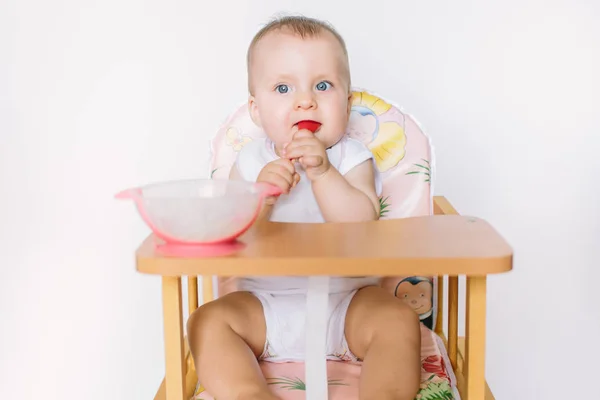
199,212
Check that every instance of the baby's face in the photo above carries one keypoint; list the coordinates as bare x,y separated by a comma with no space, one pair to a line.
294,79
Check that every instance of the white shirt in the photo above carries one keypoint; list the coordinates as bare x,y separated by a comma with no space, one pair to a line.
300,205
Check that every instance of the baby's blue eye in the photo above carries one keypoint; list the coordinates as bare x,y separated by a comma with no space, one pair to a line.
282,88
323,86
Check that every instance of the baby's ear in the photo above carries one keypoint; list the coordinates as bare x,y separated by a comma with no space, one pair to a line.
253,108
349,102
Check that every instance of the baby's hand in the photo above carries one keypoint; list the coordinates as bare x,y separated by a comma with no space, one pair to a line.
280,173
310,153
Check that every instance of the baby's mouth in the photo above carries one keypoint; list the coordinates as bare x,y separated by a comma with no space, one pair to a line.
310,125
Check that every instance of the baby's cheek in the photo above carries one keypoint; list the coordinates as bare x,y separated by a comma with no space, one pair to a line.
276,132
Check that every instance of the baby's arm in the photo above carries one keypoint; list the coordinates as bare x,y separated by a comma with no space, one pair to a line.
349,198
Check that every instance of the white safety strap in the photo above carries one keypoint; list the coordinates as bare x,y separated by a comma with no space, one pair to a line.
317,304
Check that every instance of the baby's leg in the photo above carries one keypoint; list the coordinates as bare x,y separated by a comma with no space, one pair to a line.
226,336
385,333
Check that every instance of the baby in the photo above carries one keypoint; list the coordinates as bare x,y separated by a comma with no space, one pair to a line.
298,74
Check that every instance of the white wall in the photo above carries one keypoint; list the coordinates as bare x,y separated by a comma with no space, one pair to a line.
99,96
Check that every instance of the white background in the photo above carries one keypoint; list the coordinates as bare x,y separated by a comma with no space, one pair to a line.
98,96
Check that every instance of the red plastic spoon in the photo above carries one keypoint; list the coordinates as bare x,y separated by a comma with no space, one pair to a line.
310,125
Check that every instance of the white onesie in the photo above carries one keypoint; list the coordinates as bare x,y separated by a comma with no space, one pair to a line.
284,298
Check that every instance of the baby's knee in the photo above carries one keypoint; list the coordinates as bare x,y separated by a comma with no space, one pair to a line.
207,315
394,313
374,313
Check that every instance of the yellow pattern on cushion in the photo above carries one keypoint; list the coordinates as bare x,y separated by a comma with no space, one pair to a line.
236,140
389,142
388,148
368,100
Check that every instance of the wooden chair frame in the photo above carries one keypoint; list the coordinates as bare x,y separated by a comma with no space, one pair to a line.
456,246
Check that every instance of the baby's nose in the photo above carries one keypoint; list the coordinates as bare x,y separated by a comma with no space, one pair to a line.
305,101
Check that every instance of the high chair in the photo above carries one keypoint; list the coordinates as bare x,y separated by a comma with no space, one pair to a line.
428,238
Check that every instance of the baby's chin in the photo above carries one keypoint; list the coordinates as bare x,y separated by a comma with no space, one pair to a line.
330,141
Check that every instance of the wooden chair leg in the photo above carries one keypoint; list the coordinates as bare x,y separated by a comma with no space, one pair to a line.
453,320
174,347
207,289
475,337
439,321
192,293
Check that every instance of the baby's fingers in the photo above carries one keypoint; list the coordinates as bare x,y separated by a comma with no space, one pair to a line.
311,161
284,165
296,179
298,151
282,182
303,133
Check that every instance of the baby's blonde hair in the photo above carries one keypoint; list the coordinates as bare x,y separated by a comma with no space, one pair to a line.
305,27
